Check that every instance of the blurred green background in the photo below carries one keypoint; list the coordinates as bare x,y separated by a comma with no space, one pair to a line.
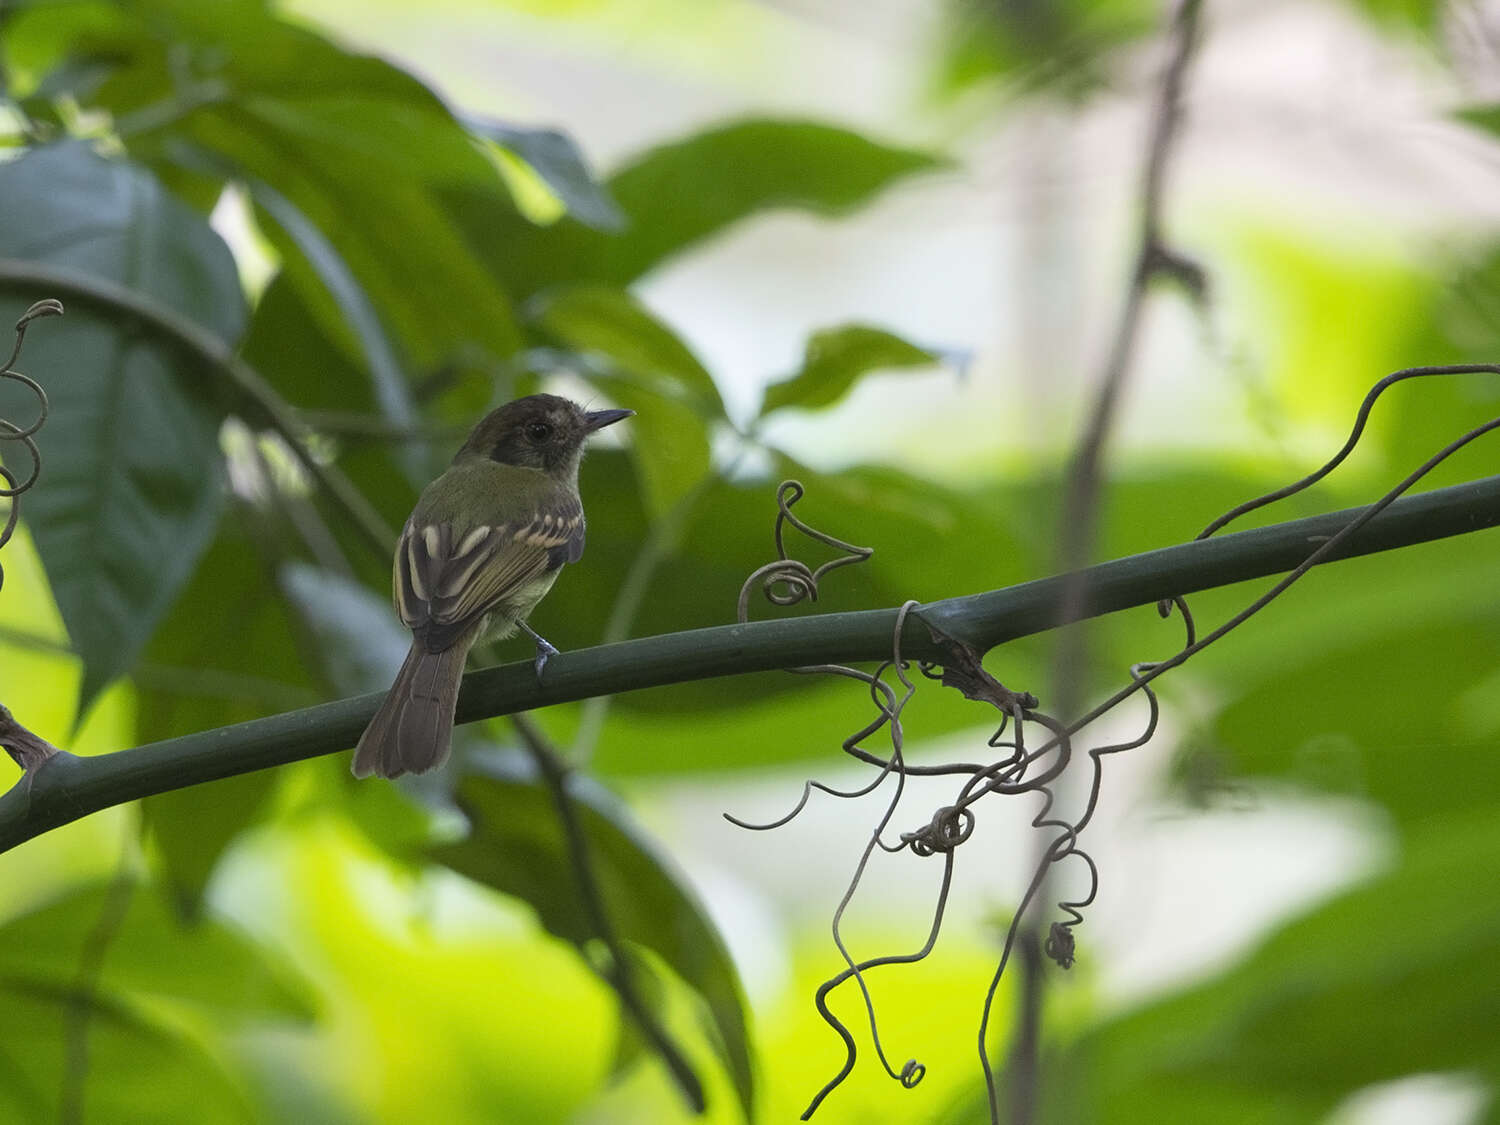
879,246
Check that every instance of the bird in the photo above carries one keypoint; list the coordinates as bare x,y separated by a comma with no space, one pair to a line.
482,547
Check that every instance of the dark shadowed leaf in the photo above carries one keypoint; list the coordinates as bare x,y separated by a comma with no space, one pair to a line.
516,846
351,148
555,157
836,359
193,677
132,488
679,194
640,363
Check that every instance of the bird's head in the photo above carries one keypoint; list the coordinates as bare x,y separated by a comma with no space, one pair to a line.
545,432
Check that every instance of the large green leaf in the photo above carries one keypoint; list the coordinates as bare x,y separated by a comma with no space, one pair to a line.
1390,979
162,992
193,678
152,954
132,487
516,846
343,151
642,364
681,193
836,359
555,157
138,1068
1344,685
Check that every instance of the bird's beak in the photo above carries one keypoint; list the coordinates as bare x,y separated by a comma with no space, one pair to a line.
598,419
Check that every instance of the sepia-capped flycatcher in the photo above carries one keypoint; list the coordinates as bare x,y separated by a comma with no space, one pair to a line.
481,549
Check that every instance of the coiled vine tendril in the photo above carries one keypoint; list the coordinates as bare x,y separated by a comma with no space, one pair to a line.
1028,764
26,748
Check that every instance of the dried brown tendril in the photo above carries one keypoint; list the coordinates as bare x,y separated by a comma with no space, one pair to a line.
27,749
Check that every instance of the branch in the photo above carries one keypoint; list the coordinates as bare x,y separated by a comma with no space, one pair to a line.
269,407
66,788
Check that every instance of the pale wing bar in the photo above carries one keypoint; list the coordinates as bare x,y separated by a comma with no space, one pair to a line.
443,587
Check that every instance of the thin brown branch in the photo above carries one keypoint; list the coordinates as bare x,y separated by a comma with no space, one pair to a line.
620,972
28,750
1080,507
1153,258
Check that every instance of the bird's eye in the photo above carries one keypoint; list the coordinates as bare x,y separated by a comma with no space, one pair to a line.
539,431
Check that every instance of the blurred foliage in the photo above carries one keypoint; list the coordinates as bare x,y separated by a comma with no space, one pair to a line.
293,946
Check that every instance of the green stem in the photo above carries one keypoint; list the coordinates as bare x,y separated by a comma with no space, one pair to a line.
66,787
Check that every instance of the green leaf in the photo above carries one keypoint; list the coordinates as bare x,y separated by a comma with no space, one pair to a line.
560,163
1347,681
1412,15
679,194
640,363
352,146
131,489
152,954
386,373
1068,50
357,632
836,359
516,846
191,679
139,1068
1389,979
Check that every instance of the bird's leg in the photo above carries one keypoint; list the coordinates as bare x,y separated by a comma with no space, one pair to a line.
544,648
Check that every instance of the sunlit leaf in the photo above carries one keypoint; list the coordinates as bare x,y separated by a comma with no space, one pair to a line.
836,359
682,193
133,480
1062,49
560,163
151,953
516,846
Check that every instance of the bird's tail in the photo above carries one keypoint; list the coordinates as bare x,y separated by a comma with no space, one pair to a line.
413,730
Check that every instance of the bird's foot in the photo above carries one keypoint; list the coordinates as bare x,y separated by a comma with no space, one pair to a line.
545,650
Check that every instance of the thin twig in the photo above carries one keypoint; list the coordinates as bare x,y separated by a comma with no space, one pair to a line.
1081,502
621,973
1153,258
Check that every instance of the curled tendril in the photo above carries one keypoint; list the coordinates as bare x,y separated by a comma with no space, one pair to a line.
800,581
24,435
950,826
27,749
1030,764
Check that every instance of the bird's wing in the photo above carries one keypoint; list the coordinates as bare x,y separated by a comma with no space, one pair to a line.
447,576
